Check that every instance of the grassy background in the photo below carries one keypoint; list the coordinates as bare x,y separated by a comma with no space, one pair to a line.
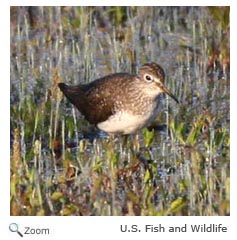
179,168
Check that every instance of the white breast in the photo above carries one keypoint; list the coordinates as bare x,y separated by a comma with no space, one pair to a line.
126,122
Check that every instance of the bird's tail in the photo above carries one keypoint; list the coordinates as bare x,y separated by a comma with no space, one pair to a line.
72,93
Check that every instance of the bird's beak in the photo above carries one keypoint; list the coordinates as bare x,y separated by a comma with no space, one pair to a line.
167,91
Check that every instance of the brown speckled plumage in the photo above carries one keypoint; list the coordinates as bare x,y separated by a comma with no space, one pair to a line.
119,93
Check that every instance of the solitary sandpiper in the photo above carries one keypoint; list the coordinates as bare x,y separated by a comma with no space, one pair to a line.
121,102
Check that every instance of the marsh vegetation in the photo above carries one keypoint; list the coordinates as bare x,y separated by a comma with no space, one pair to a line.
178,166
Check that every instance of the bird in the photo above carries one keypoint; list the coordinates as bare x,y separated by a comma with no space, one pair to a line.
121,103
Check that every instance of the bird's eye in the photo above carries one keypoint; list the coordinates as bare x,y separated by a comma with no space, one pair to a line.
148,78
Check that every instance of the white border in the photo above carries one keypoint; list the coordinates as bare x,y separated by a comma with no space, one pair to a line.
105,227
121,3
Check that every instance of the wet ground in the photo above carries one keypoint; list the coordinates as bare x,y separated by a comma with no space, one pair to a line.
178,166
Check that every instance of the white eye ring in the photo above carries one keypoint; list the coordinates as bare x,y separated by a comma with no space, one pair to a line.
148,78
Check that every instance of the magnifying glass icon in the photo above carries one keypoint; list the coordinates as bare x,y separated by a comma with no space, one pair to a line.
13,227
